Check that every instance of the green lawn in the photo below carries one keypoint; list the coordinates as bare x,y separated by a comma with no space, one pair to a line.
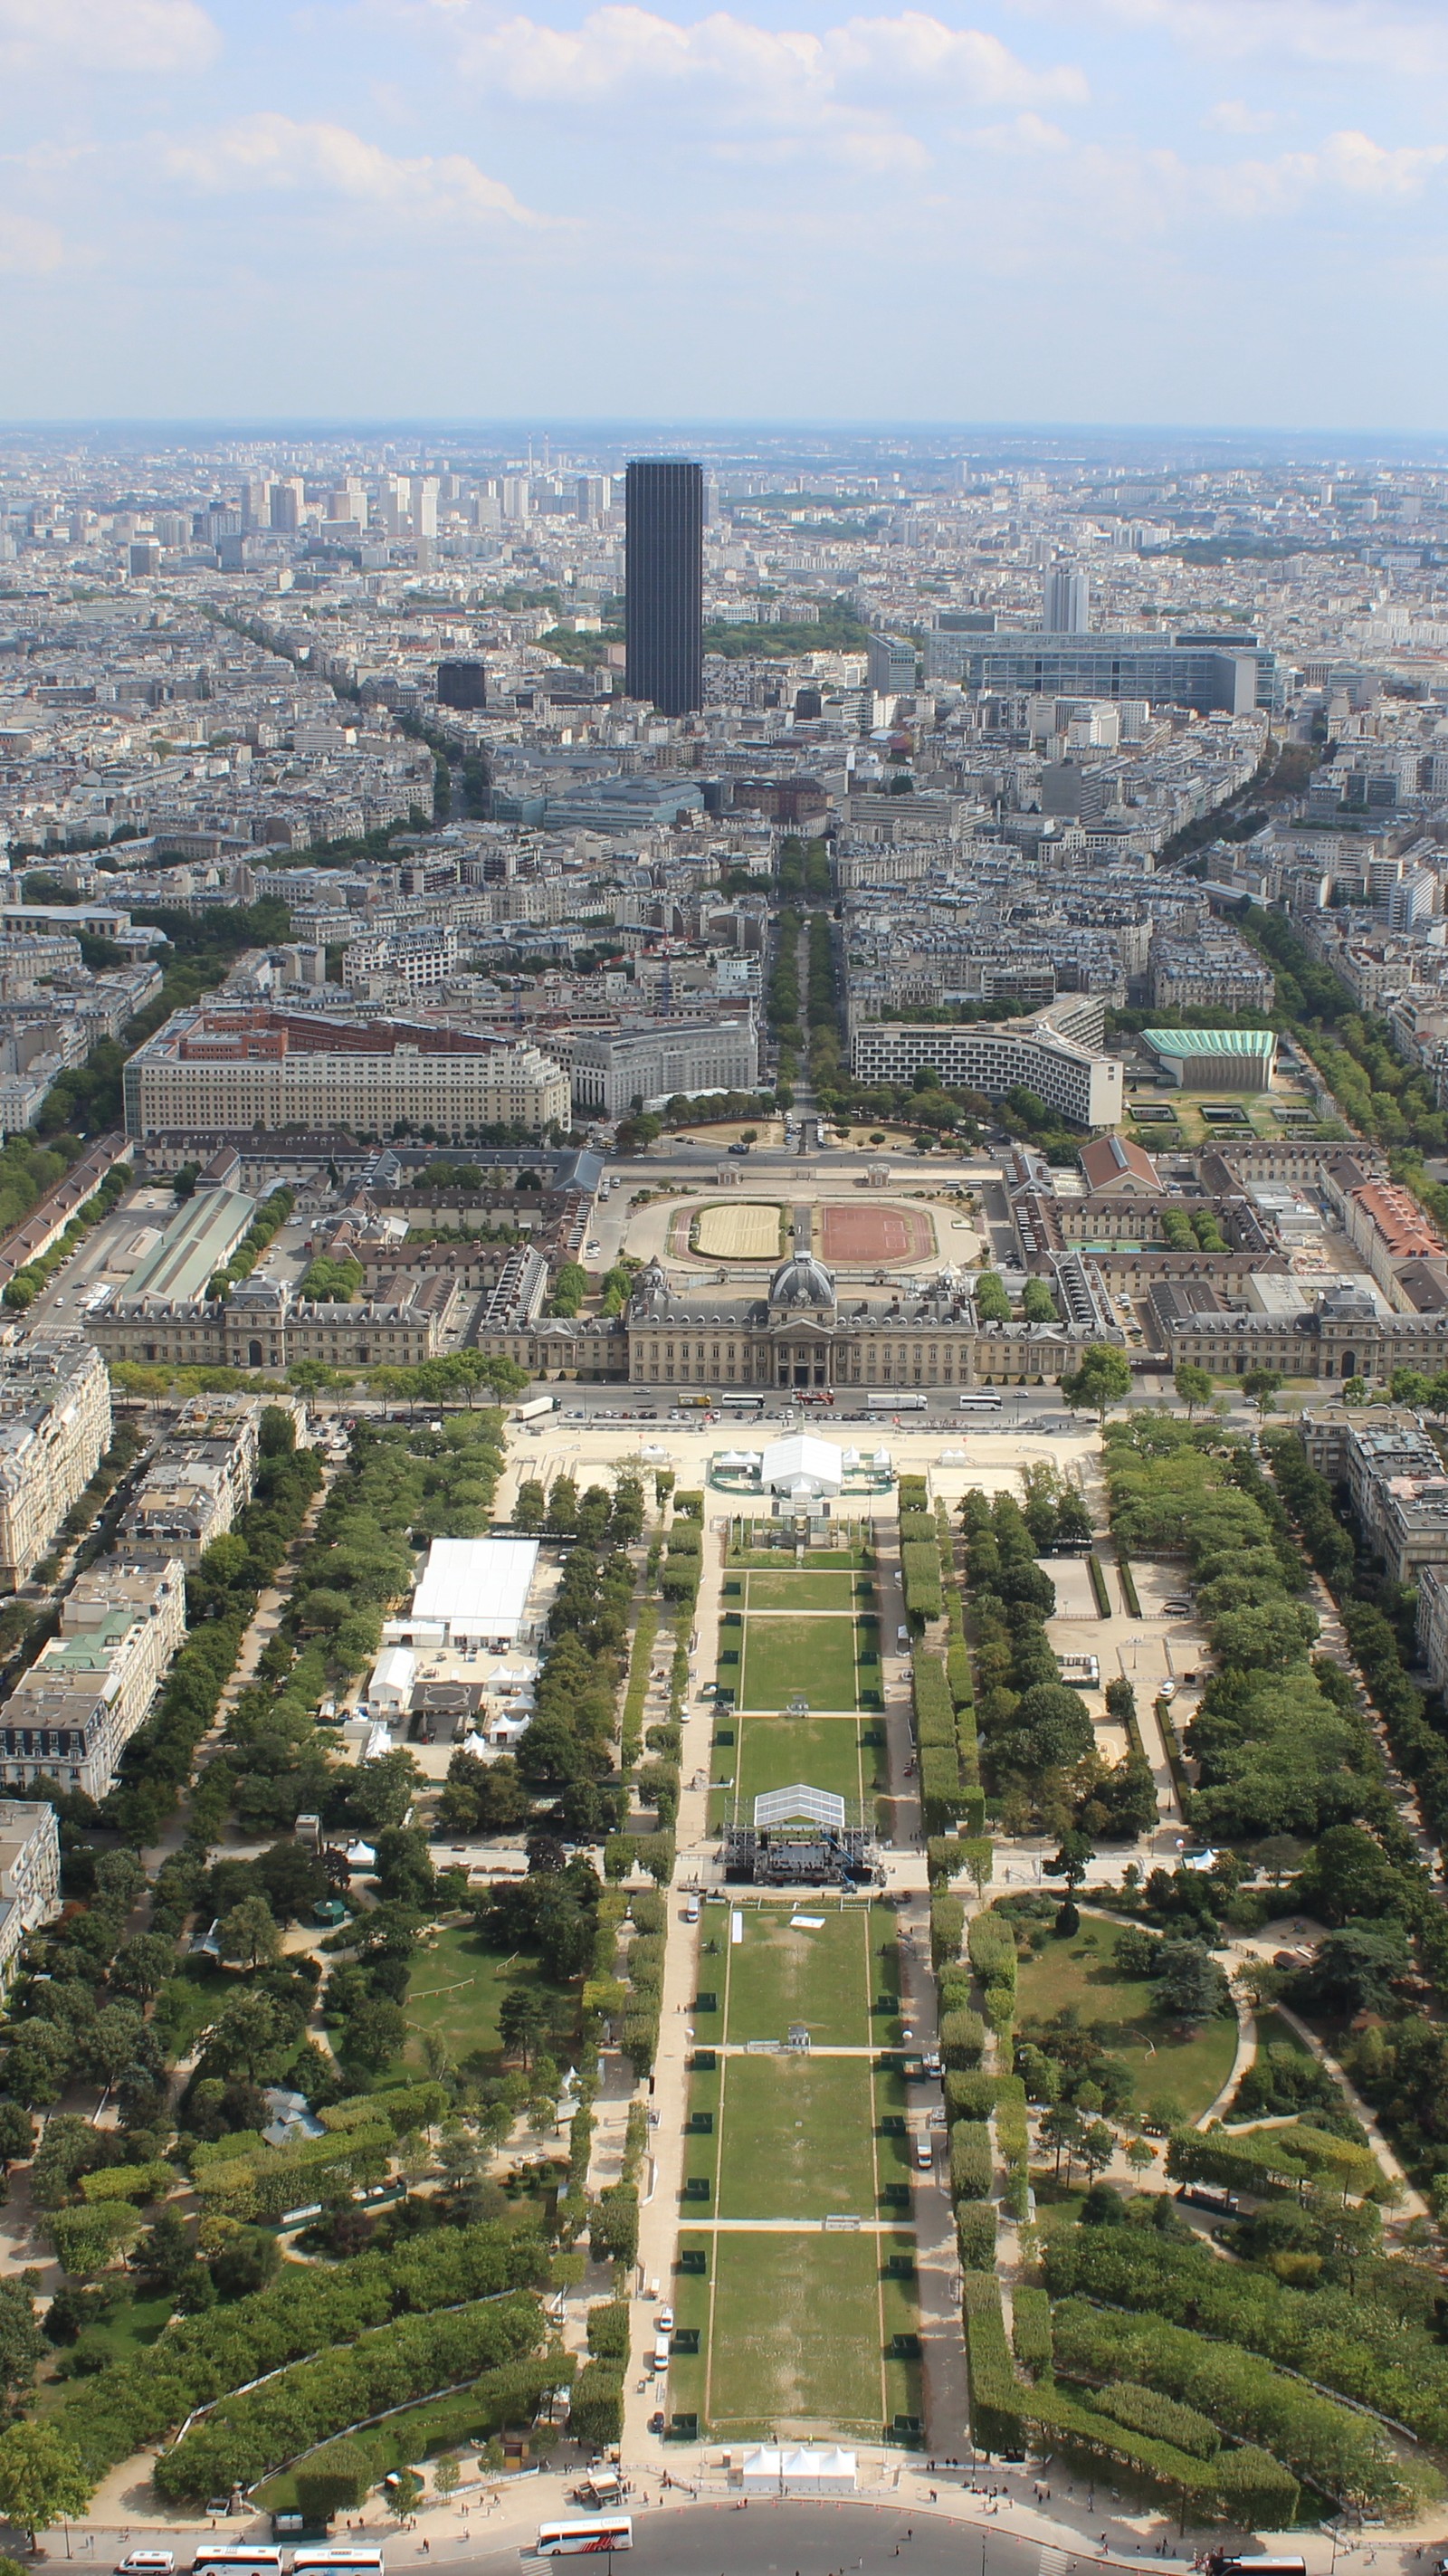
787,1658
1079,1973
457,1990
797,2335
821,1978
797,2138
774,1752
187,2002
803,1591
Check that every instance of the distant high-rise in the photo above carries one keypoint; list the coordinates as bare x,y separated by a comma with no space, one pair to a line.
664,584
462,684
1065,602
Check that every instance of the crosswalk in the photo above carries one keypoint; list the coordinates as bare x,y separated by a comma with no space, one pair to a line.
1054,2562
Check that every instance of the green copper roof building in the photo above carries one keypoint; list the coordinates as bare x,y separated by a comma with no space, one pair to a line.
1214,1059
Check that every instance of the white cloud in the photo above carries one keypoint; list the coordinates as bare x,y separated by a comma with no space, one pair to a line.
28,248
1410,42
1346,164
775,72
270,152
80,36
1234,116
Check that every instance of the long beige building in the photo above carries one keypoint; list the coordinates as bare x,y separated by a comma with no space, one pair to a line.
55,1425
229,1066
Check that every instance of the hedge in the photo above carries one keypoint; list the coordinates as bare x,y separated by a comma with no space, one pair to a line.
934,1707
962,2038
1244,2485
969,2096
1343,2339
959,1675
971,2163
992,1950
1317,2439
920,1566
130,2405
1012,2134
975,2235
411,2357
947,1924
1031,2331
1146,2411
919,1529
1274,2160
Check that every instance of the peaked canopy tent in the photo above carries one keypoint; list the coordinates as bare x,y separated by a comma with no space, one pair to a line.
802,1466
803,2469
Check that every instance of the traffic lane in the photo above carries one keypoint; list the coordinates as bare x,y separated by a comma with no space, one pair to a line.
772,2539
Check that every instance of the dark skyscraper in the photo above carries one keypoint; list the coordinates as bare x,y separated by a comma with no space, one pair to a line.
664,585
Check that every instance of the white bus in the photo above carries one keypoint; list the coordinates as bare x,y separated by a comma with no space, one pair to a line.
347,2561
979,1403
901,1403
219,2561
575,2539
742,1403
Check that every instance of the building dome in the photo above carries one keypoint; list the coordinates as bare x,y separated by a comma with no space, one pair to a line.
801,1281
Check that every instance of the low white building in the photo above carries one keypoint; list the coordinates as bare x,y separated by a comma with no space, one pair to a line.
476,1591
800,2469
802,1468
389,1692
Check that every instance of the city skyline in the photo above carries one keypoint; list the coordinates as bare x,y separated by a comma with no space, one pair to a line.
229,210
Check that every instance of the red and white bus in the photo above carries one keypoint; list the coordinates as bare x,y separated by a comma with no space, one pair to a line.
577,2539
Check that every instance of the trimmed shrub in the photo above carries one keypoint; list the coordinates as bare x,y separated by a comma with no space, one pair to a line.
947,1925
962,2038
1146,2411
1031,2332
975,2235
971,2163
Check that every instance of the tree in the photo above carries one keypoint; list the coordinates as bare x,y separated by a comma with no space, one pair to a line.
142,1965
531,1505
1410,1386
1190,1986
992,1305
1140,2155
1355,1968
17,2133
249,1933
1354,1390
1097,2147
404,2494
1193,1386
1103,1379
1061,2129
522,2021
1076,1850
1260,1386
445,2476
41,2478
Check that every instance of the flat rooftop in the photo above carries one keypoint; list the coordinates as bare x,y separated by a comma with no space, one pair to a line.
478,1585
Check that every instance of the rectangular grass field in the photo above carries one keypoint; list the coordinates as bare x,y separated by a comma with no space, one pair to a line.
800,1590
797,2339
820,1978
787,1658
797,2138
773,1752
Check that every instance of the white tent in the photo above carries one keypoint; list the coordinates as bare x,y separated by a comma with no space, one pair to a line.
802,2469
389,1692
802,1465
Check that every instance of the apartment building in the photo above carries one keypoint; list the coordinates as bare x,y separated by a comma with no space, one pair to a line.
55,1426
29,1875
653,1059
202,1478
1044,1053
71,1716
214,1067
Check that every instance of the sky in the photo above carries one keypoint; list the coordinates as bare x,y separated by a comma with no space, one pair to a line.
1114,211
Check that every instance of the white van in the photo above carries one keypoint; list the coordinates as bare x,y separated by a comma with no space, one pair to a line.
660,2360
691,1909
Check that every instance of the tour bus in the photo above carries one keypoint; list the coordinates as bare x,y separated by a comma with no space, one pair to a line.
979,1403
740,1401
341,2561
900,1402
576,2539
212,2559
